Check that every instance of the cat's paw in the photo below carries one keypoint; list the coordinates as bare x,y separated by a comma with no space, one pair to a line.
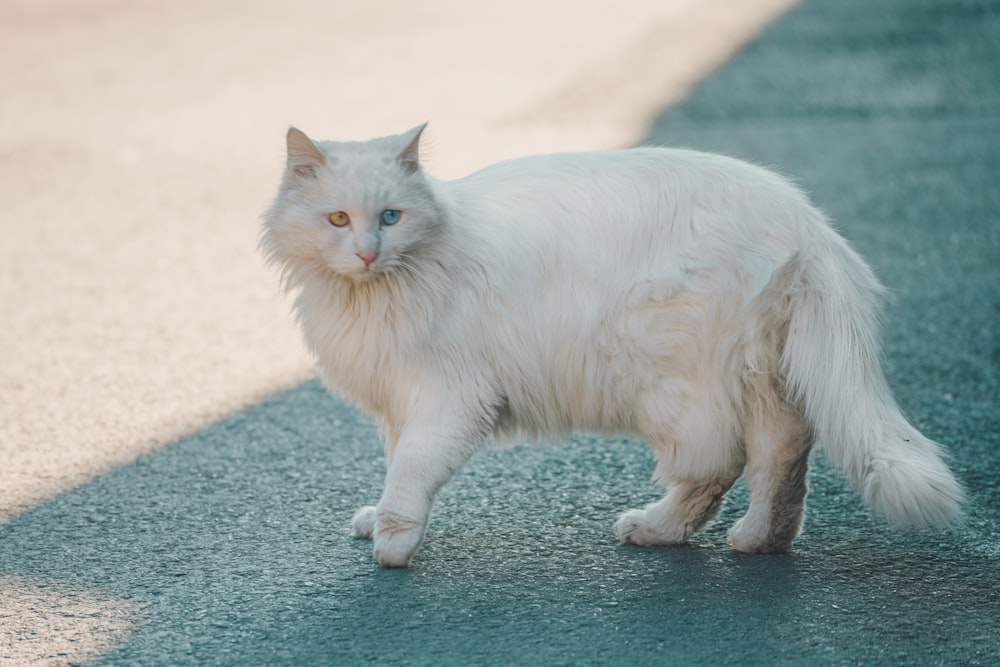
750,537
397,538
363,523
637,527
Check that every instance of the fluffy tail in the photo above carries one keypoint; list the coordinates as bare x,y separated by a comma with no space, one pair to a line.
831,364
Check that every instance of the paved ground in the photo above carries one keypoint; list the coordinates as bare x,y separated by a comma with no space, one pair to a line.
230,543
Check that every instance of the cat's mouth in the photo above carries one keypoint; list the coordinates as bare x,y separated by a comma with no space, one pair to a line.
361,271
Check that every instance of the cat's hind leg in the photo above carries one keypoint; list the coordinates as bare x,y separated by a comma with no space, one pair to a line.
687,507
698,453
777,446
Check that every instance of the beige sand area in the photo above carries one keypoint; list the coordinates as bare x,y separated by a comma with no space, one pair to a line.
139,142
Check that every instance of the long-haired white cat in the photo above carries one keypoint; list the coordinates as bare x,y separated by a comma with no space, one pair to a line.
693,300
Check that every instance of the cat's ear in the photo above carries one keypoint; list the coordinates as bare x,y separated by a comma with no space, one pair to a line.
304,156
409,157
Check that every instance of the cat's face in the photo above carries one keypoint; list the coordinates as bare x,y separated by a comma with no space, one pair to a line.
359,209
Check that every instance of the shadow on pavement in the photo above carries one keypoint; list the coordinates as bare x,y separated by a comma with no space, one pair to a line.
235,542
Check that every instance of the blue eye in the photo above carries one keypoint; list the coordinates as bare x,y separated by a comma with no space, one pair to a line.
390,216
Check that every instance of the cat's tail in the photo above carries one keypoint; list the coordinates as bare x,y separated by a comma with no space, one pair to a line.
831,365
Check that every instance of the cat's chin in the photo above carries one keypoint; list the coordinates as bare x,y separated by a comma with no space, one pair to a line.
360,274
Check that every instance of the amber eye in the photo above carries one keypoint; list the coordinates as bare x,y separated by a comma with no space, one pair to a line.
339,219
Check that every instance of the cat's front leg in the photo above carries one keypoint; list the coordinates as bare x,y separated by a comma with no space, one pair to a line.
363,522
424,458
398,534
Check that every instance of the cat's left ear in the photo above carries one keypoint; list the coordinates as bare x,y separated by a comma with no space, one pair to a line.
410,155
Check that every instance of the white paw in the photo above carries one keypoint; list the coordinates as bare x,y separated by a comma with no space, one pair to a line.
752,537
633,527
363,523
397,538
628,525
741,537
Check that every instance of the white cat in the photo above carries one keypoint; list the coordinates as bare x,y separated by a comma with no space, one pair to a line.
693,300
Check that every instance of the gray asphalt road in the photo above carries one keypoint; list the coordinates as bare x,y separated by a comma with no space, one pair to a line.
234,539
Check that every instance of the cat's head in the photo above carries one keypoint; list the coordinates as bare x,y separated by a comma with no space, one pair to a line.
359,210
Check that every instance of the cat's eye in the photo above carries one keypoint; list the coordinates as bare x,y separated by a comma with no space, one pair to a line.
390,216
339,219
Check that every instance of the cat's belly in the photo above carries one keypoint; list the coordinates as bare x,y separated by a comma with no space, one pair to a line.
663,364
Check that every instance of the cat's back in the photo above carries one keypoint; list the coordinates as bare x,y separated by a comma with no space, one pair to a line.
573,182
640,200
576,173
573,170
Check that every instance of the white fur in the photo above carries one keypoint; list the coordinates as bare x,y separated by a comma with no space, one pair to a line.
687,298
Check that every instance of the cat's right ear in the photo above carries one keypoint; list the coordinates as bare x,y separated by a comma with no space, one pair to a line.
304,156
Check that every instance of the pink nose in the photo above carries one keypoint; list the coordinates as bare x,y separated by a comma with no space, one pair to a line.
367,256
